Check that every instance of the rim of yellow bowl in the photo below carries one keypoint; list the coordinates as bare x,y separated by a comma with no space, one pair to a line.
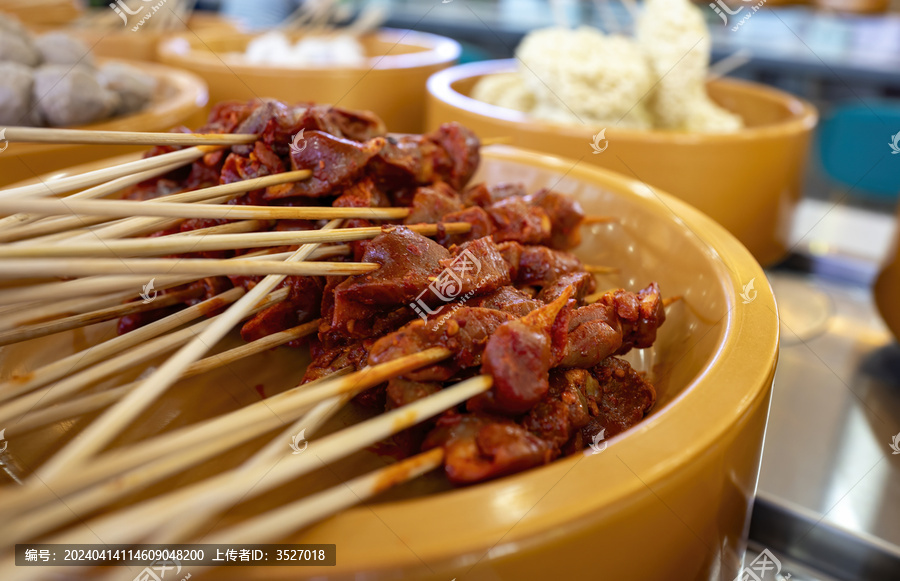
436,50
440,86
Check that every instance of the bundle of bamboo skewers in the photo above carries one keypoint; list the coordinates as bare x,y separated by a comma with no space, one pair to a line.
51,232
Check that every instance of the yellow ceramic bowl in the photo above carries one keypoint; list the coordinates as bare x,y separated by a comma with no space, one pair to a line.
392,84
44,13
121,42
887,287
180,100
668,500
750,182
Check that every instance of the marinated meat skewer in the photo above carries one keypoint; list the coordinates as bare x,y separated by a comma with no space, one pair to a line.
593,333
580,405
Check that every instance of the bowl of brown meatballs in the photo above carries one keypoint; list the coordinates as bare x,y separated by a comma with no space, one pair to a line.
53,80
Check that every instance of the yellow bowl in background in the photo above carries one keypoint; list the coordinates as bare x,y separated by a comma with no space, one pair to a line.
141,45
120,42
45,13
180,99
750,182
392,84
887,287
668,499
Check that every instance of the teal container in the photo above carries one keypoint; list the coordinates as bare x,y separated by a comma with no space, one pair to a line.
859,146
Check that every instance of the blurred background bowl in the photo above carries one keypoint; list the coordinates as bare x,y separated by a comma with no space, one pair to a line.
392,84
750,181
42,12
180,99
112,39
669,499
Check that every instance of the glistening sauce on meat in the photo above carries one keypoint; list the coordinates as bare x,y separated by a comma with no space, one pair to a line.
517,312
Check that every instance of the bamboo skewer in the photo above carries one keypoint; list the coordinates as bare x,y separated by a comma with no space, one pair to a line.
54,230
22,267
239,227
95,192
281,522
141,226
69,409
225,490
164,208
124,227
590,220
174,245
82,287
28,314
89,136
100,176
96,137
102,430
42,376
94,317
96,401
67,206
104,284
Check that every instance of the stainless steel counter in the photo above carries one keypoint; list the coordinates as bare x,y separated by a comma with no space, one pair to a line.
829,489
